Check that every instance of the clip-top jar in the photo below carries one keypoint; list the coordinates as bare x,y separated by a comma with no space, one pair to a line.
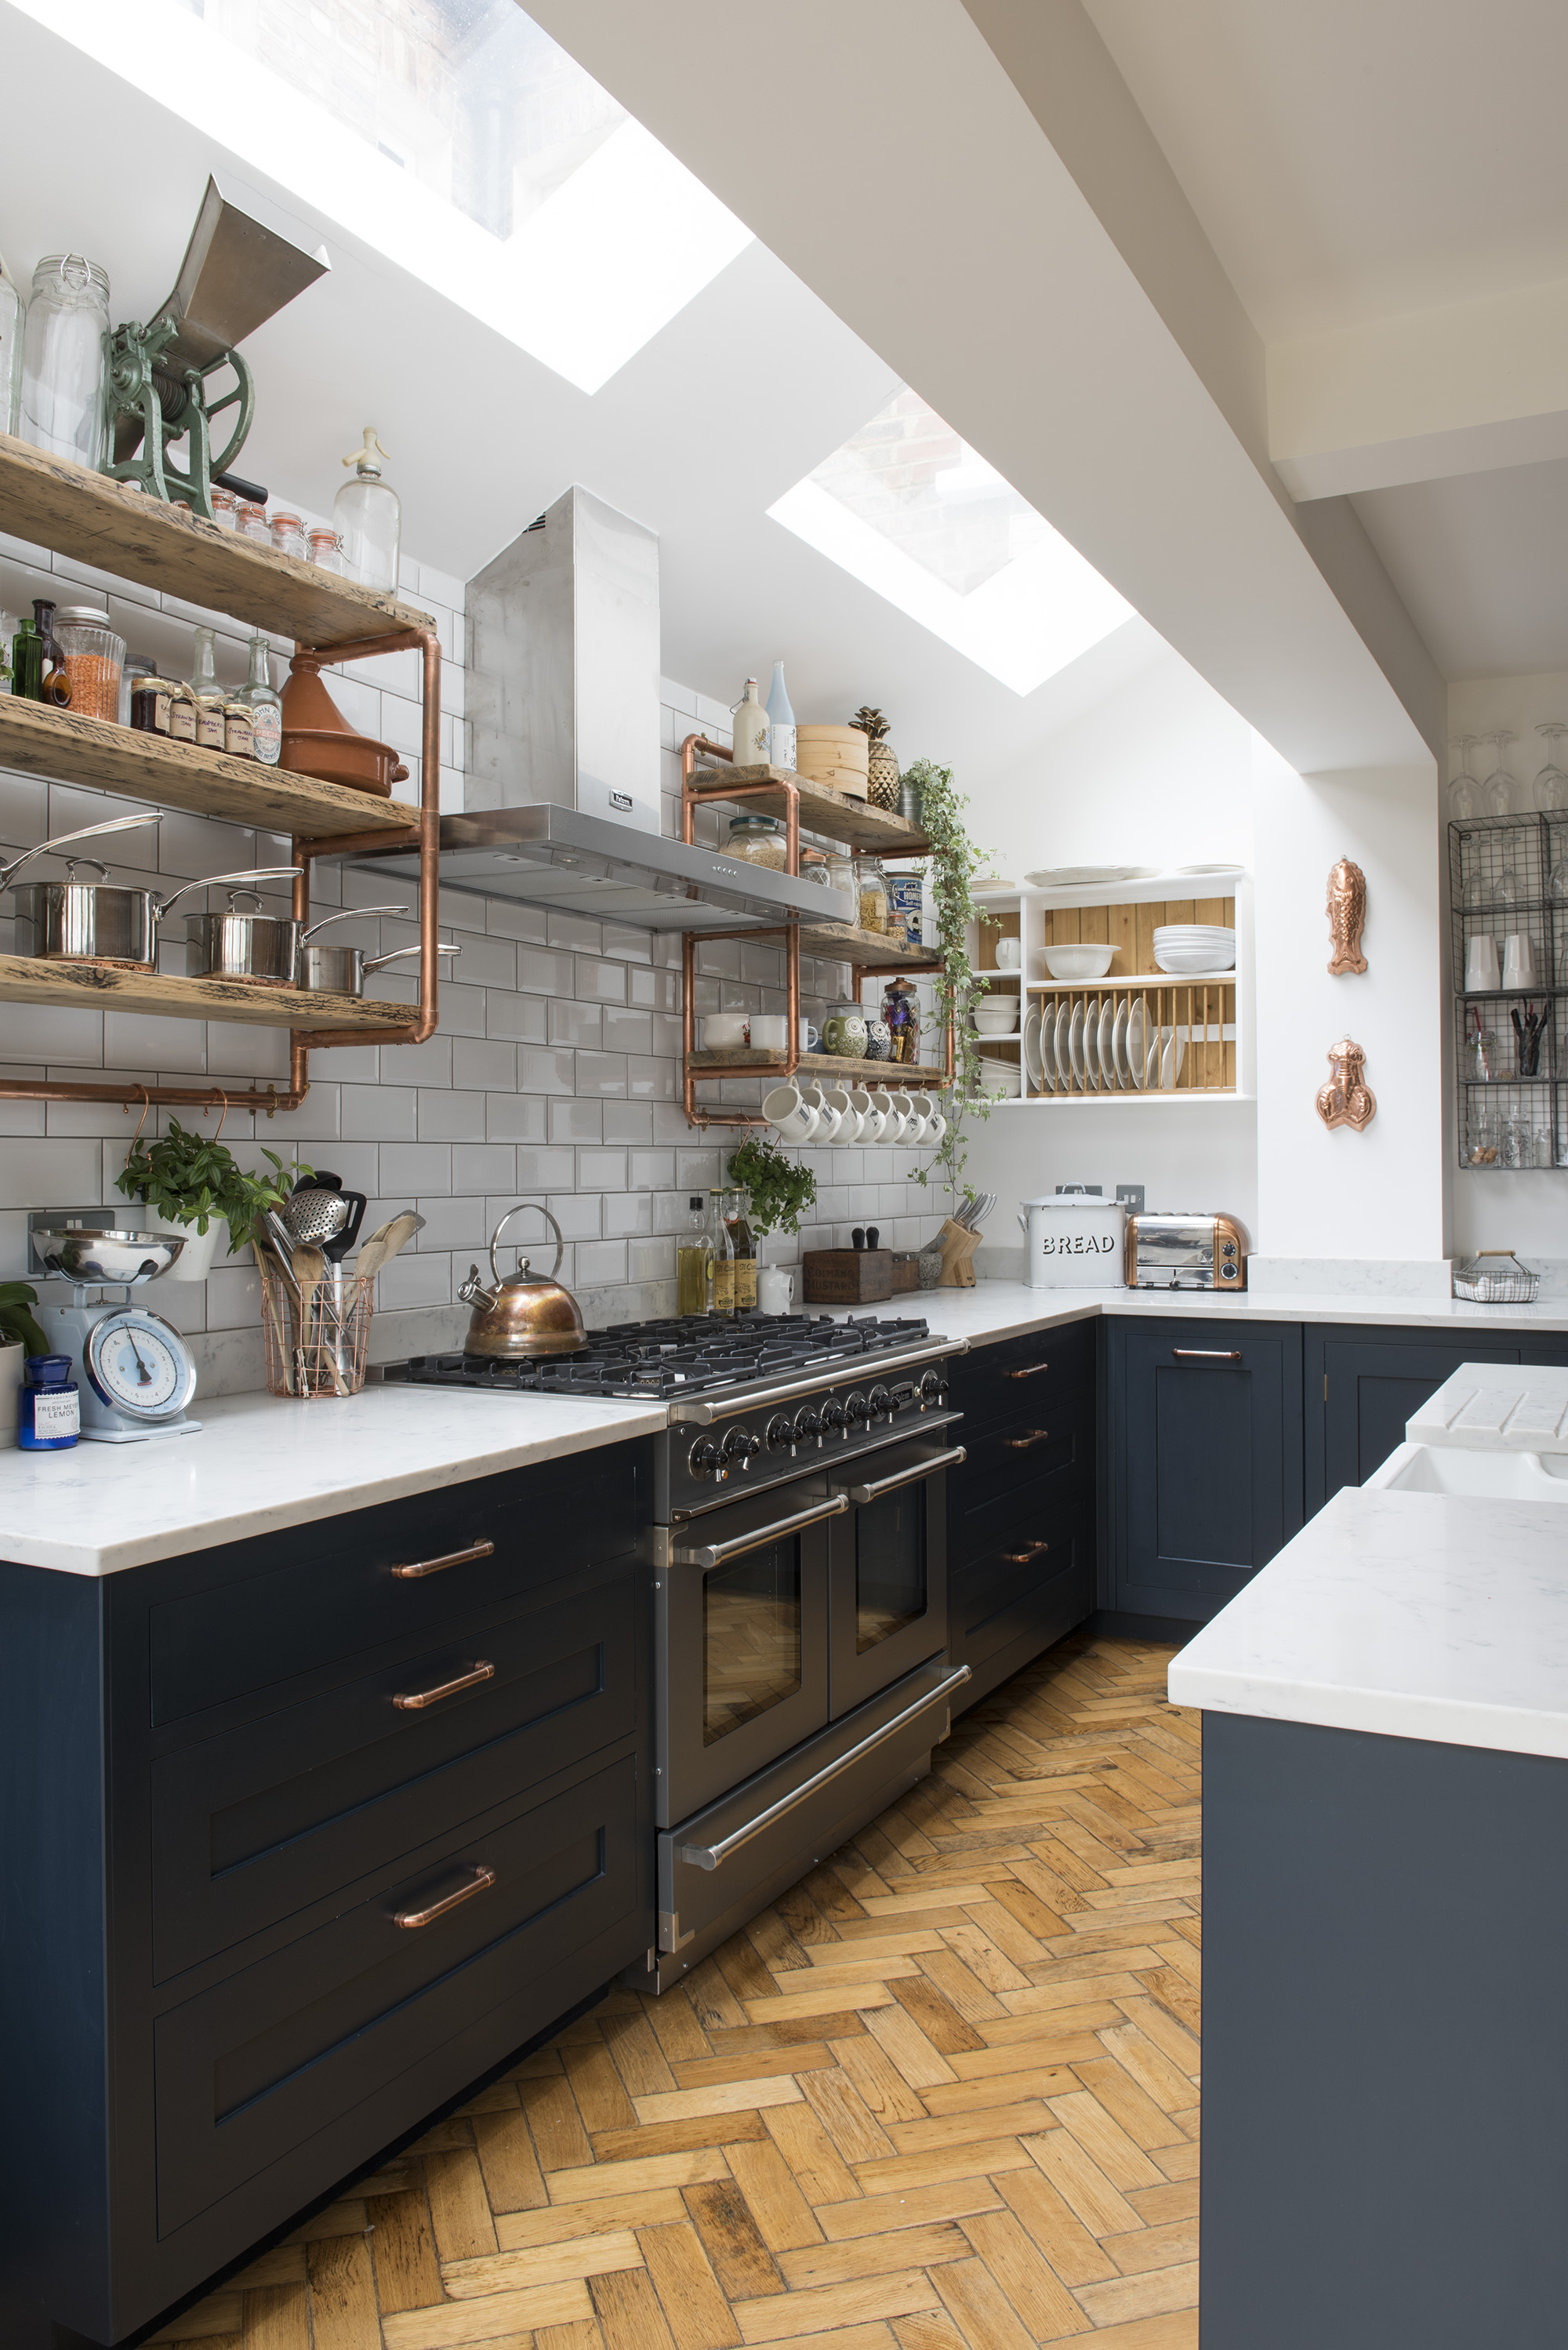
65,359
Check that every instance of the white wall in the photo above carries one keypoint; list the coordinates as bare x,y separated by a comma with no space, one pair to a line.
1526,1211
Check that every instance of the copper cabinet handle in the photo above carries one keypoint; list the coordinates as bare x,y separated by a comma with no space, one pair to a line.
1029,1371
1205,1353
480,1882
483,1549
1022,1443
1023,1558
414,1700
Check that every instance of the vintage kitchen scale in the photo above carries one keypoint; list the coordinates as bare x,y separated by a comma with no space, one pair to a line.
134,1371
238,271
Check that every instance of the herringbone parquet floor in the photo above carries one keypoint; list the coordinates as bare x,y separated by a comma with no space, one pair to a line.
944,2093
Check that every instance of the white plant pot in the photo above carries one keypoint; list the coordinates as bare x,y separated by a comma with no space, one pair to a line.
12,1361
195,1261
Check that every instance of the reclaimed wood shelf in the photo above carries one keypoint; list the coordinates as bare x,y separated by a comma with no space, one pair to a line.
73,749
857,824
86,516
867,949
26,979
739,1060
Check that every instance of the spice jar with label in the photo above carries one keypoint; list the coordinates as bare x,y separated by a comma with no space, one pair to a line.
181,712
871,887
253,523
760,839
239,741
149,703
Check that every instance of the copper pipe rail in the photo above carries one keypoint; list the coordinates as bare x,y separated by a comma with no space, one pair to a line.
694,795
424,825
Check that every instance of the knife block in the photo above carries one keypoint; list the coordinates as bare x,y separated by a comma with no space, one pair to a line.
847,1276
958,1246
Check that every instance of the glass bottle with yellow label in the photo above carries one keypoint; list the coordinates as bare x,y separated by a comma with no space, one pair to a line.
744,1242
691,1261
721,1259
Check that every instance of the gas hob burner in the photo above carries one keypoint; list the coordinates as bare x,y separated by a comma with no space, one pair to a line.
689,1354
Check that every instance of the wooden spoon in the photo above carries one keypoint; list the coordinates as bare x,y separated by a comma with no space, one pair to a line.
309,1270
385,1243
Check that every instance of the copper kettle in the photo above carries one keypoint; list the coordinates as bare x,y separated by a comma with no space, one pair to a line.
522,1318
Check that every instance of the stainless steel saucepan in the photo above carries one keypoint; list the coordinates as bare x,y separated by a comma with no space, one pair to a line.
101,921
343,971
262,948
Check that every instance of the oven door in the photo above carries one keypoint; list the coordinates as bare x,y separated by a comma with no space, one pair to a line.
888,1566
741,1628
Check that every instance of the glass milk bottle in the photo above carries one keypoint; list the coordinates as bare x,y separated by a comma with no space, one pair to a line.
369,519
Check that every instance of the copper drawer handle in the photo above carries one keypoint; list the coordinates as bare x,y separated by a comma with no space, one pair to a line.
480,1882
415,1699
1205,1353
448,1558
1022,1443
1028,1372
1023,1558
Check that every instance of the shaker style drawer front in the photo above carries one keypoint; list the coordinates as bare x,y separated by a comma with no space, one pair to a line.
325,1592
1019,1375
1039,1580
1005,1455
251,2070
253,1826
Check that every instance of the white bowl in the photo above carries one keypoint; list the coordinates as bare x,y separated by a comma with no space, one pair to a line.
1082,963
1194,963
1001,1021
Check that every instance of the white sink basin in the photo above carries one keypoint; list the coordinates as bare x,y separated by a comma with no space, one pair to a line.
1452,1469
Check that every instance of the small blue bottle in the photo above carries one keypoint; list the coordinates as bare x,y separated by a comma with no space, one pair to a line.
48,1409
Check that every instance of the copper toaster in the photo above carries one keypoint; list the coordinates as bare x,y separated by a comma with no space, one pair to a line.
1185,1251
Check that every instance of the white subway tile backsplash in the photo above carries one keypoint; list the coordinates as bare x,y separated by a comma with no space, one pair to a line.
577,1023
546,1171
577,1213
415,1167
450,1117
483,1166
628,1121
514,1118
576,1121
601,1073
652,1170
380,1113
490,1064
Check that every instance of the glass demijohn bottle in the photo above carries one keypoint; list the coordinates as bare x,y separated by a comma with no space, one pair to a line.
368,519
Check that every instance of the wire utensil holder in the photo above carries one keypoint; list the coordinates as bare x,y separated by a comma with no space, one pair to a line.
324,1351
1502,1282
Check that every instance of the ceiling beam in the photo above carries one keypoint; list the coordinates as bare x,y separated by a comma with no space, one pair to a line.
1467,389
935,216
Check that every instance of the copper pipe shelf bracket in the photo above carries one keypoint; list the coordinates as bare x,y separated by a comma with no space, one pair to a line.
694,795
425,826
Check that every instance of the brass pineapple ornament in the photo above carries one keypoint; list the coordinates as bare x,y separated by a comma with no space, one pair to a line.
882,760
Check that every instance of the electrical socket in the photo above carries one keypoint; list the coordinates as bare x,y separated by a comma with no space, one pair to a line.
1130,1197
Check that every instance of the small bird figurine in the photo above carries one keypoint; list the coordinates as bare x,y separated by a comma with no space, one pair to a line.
1347,911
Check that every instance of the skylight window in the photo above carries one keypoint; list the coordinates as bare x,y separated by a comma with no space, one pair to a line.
457,138
915,513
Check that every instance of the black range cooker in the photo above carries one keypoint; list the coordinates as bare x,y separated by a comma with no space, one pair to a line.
799,1586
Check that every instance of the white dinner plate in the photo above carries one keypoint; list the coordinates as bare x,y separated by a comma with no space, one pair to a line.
1076,1042
1136,1048
1152,1060
1119,1046
1072,877
1217,870
1032,1060
1172,1058
1091,1043
1108,1074
1048,1042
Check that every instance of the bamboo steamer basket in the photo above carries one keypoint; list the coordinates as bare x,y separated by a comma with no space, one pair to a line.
835,755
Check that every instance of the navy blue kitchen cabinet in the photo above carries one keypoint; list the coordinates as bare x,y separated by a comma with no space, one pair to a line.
1020,1510
260,1914
1362,1383
1204,1474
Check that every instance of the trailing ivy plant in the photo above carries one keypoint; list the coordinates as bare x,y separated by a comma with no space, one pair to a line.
189,1178
949,877
781,1190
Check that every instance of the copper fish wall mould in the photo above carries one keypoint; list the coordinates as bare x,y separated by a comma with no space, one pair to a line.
1347,1099
1347,911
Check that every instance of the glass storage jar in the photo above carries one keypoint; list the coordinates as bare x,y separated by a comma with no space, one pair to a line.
871,887
253,523
94,656
225,510
844,1031
288,536
813,867
901,1011
65,359
760,839
324,549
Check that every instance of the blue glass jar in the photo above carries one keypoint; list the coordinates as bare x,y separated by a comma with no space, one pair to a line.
48,1409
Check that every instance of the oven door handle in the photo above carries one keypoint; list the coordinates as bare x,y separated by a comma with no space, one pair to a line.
925,1467
833,1372
713,1855
719,1554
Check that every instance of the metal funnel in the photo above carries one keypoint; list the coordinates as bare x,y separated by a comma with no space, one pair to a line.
238,271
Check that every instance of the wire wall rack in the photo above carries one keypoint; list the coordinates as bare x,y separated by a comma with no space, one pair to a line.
1508,879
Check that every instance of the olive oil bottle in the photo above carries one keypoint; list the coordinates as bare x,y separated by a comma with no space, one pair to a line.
691,1263
721,1261
745,1248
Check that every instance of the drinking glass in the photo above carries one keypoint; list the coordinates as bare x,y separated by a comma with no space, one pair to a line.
1498,789
1464,793
1545,1155
1552,782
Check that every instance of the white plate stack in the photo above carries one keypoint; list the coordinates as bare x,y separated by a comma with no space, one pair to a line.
1191,949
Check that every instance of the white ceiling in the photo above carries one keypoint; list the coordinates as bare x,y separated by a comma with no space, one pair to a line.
1352,161
742,396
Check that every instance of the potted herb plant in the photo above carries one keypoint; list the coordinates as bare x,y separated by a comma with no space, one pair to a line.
20,1335
193,1188
781,1191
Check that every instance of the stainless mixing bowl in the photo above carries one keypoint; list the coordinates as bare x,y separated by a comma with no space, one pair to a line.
120,1259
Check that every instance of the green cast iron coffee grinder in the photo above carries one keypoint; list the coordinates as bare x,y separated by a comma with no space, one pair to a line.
238,271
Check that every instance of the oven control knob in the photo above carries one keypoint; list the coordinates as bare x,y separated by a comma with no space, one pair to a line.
781,1435
705,1458
807,1423
933,1388
881,1404
741,1445
858,1409
833,1416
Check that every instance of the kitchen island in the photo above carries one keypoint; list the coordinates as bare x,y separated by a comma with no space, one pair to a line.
1385,1797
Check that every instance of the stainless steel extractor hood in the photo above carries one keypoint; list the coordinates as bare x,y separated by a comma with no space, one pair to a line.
561,799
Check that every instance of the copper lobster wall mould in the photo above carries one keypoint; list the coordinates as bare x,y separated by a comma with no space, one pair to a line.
1347,1099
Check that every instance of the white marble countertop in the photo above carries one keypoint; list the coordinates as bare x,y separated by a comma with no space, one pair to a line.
1409,1615
1496,1408
260,1463
1004,1309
